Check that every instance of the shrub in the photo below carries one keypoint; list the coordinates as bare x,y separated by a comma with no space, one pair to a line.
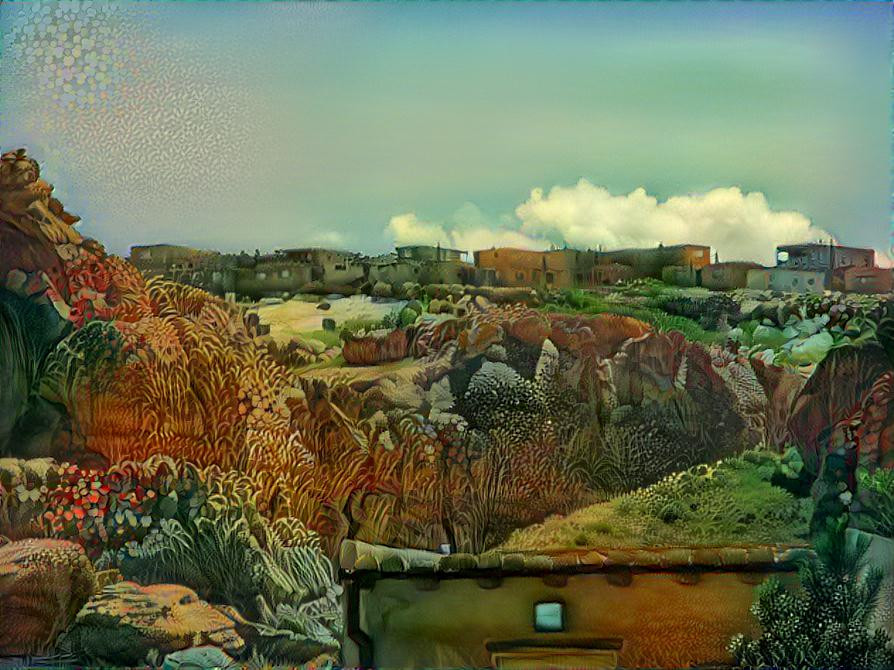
99,509
825,624
579,301
275,573
875,496
731,499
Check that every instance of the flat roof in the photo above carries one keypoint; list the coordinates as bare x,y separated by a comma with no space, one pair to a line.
822,245
358,557
160,244
304,249
532,251
429,246
658,248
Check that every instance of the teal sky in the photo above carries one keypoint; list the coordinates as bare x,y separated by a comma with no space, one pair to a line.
244,125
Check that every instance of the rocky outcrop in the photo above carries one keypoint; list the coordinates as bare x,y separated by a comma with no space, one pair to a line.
127,623
27,204
43,584
197,658
600,336
846,404
375,347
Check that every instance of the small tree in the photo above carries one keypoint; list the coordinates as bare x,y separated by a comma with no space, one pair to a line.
825,624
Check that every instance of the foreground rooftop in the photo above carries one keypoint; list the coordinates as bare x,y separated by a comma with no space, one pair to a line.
359,558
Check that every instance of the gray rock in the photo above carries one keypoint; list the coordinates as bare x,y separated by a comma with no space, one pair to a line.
197,658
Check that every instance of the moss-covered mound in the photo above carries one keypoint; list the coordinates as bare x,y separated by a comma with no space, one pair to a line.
750,499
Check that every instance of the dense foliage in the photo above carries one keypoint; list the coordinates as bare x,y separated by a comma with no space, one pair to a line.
825,623
751,498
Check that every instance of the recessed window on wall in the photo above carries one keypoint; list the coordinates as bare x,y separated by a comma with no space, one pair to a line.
549,617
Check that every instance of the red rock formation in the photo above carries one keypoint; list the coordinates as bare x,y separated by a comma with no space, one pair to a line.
126,621
847,393
43,584
375,348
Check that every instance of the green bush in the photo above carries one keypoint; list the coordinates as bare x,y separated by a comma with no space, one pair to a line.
733,499
283,585
824,624
875,497
577,301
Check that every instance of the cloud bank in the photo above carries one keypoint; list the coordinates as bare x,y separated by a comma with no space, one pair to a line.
737,225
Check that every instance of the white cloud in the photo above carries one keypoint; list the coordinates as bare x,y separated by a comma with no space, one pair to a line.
736,225
409,229
739,226
884,259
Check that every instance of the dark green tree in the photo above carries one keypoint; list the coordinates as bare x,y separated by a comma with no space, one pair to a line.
826,623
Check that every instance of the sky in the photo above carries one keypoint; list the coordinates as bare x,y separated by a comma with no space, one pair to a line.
253,125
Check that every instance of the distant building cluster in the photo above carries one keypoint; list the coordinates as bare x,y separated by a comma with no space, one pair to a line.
800,268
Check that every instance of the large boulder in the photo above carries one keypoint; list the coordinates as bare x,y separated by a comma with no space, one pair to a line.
842,394
197,658
380,346
43,584
126,622
382,290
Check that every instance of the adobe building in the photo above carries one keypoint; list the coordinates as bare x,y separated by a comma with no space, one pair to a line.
727,276
330,268
557,268
422,252
158,260
787,280
606,274
825,258
422,264
854,279
678,275
271,275
657,608
650,262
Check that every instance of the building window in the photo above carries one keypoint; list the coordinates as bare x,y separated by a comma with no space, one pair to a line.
340,266
519,276
781,256
549,617
811,281
550,278
535,275
794,281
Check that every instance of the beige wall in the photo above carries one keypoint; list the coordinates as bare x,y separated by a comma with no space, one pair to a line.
782,279
724,276
663,621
